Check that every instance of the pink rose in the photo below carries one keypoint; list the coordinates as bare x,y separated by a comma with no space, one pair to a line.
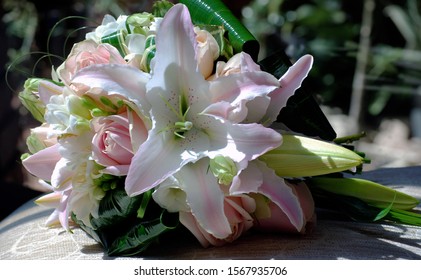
237,210
116,139
207,51
88,53
277,221
239,63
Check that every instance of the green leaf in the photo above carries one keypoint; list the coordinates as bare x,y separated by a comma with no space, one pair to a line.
302,113
385,211
160,8
214,12
128,225
116,39
115,208
360,211
141,236
405,217
144,203
351,207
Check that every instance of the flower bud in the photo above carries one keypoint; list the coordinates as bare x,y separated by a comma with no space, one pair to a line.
224,169
40,138
140,19
300,156
370,192
77,107
30,99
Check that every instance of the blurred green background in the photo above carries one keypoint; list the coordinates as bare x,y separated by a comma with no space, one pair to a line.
367,58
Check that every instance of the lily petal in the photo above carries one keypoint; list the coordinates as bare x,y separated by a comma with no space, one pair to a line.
51,200
115,79
42,163
273,187
63,209
176,28
160,156
48,89
238,89
242,142
290,82
61,179
205,198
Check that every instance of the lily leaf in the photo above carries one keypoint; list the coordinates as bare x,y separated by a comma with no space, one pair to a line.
360,211
405,217
385,211
215,12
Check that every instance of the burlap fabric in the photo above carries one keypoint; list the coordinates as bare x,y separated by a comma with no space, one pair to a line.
23,236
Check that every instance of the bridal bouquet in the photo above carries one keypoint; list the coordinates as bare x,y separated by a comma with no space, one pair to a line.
164,121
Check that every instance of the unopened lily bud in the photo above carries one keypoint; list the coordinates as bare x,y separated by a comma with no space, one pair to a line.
370,192
30,99
224,169
300,156
50,200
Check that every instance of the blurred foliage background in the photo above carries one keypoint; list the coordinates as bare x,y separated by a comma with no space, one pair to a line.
367,54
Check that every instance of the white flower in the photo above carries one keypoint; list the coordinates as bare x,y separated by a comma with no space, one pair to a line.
109,25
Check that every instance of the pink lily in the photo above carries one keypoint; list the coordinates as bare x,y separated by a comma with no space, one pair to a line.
183,131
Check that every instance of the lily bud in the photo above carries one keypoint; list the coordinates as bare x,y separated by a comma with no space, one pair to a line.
224,169
30,99
370,192
300,156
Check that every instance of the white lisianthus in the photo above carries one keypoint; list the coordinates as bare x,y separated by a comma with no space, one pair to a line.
57,114
170,196
108,26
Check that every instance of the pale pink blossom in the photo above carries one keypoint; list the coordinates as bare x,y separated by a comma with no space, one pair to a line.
238,63
207,51
237,210
276,220
88,53
115,141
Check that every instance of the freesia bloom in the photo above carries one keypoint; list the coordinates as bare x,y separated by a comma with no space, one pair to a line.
70,171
